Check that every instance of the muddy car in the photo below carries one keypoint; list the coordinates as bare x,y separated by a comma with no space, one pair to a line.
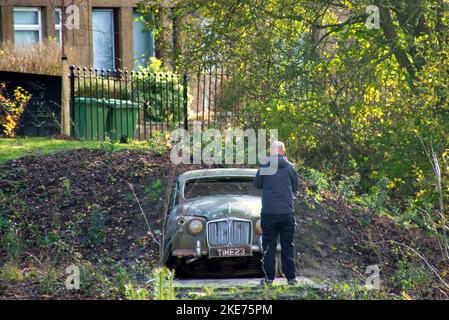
213,225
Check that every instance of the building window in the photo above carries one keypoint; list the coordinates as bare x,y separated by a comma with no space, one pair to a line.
143,41
58,25
103,38
27,26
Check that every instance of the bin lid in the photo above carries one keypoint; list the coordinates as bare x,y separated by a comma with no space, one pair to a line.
117,104
114,103
88,100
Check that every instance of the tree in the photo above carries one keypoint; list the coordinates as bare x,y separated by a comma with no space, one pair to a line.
347,99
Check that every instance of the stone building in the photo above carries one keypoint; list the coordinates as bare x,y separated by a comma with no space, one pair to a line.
111,33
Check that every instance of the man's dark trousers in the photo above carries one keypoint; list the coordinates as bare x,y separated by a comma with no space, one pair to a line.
274,226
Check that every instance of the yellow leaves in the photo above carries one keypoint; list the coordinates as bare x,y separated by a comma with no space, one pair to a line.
420,193
406,296
12,108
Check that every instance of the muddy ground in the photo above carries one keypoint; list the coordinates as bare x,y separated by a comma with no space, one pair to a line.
79,206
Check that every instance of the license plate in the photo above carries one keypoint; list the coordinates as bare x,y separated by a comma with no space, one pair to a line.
223,252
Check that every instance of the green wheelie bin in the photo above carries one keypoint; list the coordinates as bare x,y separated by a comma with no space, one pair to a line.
122,118
91,116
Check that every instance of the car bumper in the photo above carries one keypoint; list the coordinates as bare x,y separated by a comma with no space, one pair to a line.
198,251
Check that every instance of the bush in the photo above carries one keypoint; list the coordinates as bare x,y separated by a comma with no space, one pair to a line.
346,188
11,108
48,280
10,272
163,284
413,278
162,91
317,183
42,58
97,228
378,195
103,87
11,242
132,293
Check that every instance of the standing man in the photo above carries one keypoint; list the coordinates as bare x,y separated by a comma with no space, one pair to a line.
277,216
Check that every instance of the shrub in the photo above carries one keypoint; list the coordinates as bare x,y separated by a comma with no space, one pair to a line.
48,282
346,188
96,86
11,242
92,280
413,278
10,272
42,58
163,284
378,195
132,293
166,92
317,183
155,190
97,228
11,108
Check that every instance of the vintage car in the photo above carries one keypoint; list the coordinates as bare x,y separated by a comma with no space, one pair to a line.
213,224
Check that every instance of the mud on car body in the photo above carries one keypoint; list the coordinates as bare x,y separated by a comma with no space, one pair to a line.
213,225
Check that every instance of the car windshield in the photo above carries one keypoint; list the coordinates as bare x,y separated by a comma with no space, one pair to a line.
203,187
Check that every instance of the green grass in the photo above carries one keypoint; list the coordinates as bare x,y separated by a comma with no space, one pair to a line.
14,148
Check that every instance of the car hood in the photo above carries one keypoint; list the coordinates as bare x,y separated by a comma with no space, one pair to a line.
216,207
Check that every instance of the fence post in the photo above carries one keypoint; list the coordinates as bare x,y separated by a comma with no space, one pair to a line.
72,93
65,107
184,94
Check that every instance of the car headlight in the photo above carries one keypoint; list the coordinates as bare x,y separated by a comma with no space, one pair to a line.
258,227
195,227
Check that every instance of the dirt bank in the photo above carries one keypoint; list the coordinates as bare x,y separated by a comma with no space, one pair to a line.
78,206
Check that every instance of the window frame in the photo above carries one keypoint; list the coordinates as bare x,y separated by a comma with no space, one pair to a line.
114,32
29,27
58,27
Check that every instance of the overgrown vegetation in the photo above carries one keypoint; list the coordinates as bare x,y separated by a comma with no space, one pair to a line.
365,107
40,58
75,208
364,115
98,229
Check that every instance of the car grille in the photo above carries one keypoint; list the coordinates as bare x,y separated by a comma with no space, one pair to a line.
229,232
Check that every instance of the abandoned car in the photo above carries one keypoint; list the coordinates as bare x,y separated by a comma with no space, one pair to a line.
213,224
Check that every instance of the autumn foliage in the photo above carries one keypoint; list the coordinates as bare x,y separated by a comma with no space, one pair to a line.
11,108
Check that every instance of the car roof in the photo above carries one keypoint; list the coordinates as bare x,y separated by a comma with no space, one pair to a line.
220,172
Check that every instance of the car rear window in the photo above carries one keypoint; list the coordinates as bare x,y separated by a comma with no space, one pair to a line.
204,187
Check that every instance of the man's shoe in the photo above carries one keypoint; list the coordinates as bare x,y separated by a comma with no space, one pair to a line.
266,282
292,282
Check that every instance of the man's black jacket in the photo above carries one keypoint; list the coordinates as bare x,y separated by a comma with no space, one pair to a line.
278,189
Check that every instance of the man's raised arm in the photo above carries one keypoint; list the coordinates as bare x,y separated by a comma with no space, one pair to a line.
258,180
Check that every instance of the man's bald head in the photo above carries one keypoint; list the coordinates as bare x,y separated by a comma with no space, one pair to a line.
277,147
